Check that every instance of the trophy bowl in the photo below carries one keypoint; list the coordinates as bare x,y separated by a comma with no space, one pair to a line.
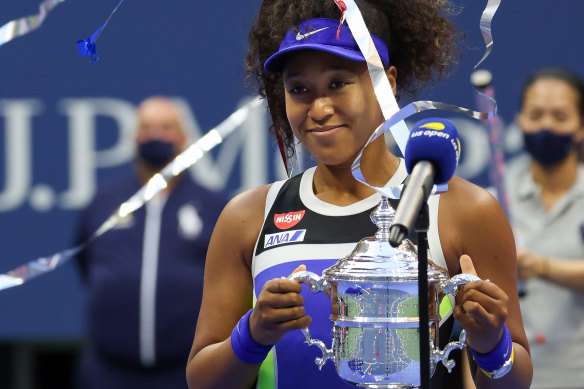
374,313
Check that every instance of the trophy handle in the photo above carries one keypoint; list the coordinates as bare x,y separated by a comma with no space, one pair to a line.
451,287
327,353
442,356
317,284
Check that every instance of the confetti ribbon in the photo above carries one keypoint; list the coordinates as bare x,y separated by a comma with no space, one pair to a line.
158,182
342,6
87,46
24,25
394,116
485,27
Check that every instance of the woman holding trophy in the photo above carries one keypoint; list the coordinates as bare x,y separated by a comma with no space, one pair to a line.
319,90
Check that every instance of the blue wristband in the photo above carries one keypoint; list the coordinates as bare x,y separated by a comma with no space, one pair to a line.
498,356
244,346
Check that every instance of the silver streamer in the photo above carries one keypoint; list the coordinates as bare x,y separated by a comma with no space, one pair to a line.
157,183
24,25
485,26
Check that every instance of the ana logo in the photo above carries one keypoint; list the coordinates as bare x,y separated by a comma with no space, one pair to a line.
288,220
434,126
278,238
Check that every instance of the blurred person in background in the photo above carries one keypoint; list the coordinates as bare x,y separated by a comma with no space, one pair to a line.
546,193
145,277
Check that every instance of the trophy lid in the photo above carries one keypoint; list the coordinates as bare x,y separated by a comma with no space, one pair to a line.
375,259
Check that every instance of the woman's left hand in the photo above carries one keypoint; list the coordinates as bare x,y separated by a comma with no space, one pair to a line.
481,309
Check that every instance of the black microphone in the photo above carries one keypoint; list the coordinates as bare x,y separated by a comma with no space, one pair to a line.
431,157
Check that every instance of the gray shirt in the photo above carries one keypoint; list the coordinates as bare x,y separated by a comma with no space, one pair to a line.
553,315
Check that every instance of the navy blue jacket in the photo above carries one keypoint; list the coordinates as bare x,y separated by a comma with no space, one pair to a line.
111,267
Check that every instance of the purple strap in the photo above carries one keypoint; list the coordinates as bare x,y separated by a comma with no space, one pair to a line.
244,346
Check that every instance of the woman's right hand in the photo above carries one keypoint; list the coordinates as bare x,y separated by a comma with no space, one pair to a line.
278,310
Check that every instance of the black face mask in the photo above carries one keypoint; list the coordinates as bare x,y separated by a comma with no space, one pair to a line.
547,147
156,153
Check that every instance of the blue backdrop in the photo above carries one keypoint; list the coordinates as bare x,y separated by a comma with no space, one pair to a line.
65,125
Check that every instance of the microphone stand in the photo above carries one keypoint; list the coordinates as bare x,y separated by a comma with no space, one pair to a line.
422,225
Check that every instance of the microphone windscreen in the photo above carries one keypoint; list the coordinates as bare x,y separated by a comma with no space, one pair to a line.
434,140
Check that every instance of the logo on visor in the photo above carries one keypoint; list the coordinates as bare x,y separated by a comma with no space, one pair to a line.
300,36
288,220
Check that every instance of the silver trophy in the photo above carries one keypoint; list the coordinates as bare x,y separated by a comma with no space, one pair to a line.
374,299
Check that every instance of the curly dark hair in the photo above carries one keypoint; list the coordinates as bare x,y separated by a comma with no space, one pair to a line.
420,37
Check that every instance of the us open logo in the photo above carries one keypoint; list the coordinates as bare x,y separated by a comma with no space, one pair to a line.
432,129
294,236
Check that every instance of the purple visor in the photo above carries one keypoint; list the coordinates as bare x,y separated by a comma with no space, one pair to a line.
321,35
